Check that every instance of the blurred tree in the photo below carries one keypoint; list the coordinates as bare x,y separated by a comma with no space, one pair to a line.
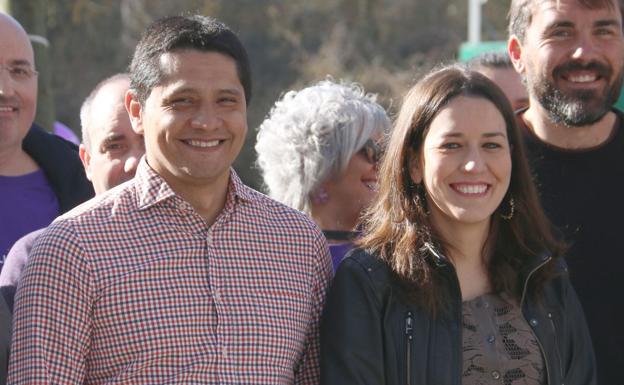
383,44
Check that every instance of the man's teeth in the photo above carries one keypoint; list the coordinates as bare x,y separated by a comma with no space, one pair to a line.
203,143
582,78
6,109
475,189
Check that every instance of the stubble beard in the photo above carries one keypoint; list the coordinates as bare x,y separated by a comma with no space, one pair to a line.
576,108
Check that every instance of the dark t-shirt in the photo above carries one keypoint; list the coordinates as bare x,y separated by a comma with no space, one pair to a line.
583,194
28,203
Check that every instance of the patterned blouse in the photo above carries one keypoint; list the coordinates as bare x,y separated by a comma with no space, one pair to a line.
499,345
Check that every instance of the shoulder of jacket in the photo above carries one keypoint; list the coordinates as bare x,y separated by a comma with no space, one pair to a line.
39,140
376,269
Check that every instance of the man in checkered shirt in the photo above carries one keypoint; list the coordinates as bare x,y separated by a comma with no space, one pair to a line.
183,275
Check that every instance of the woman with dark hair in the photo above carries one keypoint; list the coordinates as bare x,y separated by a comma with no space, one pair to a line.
458,278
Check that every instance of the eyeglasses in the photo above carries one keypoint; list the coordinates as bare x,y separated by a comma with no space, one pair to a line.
19,72
371,151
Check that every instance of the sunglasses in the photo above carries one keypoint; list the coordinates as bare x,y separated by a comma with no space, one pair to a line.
371,151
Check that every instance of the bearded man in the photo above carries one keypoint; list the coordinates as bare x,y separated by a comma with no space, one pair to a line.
571,56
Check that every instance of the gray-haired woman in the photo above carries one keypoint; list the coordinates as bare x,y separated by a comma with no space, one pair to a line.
318,151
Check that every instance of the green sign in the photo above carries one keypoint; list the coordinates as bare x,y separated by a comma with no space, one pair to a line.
469,50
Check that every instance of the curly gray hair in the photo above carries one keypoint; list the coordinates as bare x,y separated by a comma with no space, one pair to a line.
310,135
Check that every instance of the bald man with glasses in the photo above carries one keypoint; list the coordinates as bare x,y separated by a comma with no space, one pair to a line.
41,175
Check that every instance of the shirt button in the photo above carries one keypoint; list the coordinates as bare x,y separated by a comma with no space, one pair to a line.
491,338
224,352
496,374
533,322
486,304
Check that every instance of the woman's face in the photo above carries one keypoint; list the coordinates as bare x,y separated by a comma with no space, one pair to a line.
465,162
356,187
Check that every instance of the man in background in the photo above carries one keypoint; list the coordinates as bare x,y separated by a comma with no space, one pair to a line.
40,173
110,149
110,153
571,54
497,67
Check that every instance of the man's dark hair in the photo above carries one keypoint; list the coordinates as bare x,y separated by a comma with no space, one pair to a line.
495,59
177,33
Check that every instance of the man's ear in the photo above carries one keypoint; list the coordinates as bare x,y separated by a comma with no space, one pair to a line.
86,160
135,111
514,49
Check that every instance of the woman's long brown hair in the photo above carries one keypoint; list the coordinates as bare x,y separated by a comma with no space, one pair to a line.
397,225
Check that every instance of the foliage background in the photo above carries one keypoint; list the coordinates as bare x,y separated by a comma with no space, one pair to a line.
383,44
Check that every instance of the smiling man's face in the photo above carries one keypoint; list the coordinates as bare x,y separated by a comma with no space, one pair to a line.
18,94
194,123
573,58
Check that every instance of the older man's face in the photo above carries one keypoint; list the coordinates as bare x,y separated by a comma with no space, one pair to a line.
510,83
115,149
18,89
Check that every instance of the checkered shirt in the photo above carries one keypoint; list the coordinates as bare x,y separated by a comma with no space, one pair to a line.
133,287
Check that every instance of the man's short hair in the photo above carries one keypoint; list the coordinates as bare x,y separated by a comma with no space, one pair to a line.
496,59
176,33
85,110
521,13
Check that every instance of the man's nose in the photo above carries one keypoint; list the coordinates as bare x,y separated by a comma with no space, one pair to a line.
207,117
6,83
584,49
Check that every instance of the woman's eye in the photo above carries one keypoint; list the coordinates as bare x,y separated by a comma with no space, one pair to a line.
450,146
491,145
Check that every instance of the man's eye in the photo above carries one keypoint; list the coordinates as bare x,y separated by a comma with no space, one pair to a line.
560,33
605,32
19,72
112,147
228,101
181,102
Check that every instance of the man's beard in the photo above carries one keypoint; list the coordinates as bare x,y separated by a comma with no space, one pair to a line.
579,107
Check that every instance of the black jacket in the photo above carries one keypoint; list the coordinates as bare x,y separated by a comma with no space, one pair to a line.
5,338
61,164
364,334
59,160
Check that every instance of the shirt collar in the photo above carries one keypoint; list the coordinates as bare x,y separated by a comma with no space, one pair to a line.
152,189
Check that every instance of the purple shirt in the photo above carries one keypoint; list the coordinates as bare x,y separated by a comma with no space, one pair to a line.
66,133
28,203
338,252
